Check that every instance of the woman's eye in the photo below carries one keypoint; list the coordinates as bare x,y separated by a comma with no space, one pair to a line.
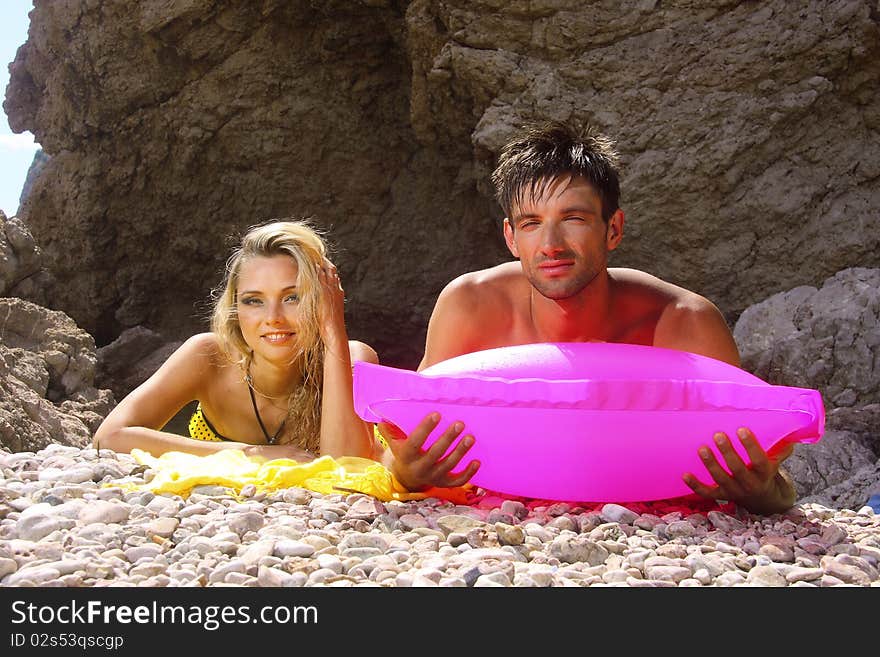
291,298
251,301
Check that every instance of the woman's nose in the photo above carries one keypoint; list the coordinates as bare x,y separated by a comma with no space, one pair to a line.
275,313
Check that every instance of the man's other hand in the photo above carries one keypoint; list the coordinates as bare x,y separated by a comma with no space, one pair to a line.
759,487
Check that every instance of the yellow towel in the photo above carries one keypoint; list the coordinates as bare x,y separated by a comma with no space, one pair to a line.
178,473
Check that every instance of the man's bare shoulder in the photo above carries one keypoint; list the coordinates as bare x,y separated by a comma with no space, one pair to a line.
641,299
499,276
673,300
486,285
473,312
674,317
637,282
689,321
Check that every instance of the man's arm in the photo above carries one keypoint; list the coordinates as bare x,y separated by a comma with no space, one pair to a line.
694,324
451,329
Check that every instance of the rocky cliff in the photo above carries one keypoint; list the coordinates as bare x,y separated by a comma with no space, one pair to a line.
750,134
175,124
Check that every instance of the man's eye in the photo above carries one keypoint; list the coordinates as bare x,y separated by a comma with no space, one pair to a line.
575,218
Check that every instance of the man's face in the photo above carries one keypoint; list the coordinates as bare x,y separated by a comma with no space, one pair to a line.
561,238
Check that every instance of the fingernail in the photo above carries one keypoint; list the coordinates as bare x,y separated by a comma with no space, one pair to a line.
719,438
704,452
435,417
458,427
468,441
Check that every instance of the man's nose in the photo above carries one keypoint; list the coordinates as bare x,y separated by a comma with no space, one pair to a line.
551,240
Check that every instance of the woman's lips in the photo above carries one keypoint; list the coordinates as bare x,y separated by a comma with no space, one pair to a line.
279,337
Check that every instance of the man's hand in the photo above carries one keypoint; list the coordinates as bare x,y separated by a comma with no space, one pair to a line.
760,487
418,469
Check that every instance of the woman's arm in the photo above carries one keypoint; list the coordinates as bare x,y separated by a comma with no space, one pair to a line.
185,376
136,420
343,433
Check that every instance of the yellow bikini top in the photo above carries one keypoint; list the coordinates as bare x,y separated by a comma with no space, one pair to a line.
200,428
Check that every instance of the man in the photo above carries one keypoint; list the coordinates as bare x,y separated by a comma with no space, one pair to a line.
559,190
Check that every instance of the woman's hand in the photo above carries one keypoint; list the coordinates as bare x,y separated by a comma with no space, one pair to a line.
270,452
343,433
332,317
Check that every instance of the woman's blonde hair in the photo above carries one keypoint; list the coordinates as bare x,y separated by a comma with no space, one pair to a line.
300,241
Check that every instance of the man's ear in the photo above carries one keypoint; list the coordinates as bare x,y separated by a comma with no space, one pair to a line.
614,231
508,237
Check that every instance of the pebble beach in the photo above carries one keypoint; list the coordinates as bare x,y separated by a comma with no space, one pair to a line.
74,517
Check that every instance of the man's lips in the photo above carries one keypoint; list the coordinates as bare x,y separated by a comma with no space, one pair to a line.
555,267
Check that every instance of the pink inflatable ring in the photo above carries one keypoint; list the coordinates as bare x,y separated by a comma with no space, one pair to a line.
595,422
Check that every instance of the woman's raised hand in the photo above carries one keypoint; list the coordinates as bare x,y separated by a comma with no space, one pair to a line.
332,304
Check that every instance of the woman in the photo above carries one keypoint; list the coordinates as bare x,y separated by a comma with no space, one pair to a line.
273,377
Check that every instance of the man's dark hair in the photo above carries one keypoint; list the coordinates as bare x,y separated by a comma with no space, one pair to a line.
542,154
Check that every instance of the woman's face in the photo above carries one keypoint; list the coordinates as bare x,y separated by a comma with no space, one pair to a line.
268,306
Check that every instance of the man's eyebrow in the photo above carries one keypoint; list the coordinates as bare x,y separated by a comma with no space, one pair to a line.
524,215
574,209
583,209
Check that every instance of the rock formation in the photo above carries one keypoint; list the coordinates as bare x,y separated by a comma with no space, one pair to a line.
750,134
215,115
829,339
47,372
826,338
21,262
131,359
